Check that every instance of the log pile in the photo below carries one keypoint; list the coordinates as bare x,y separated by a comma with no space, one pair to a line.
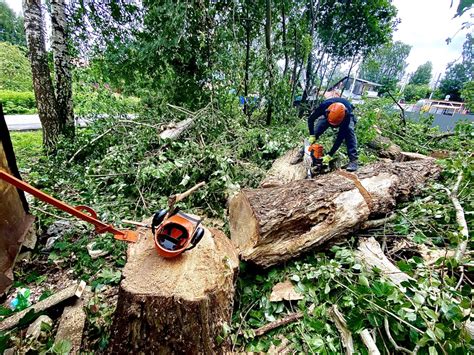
274,224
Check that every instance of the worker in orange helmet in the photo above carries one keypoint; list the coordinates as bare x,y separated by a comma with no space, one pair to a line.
335,113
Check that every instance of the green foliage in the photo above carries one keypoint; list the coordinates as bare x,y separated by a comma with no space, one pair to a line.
386,66
467,94
463,6
457,74
422,74
355,27
413,93
15,69
92,95
17,102
11,25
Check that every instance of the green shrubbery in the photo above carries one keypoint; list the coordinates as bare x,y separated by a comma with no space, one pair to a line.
17,102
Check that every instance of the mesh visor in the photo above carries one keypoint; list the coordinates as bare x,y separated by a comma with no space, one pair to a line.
172,237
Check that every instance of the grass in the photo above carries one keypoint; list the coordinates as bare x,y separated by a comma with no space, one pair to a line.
28,147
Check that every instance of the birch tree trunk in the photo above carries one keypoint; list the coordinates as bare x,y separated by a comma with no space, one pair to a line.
62,65
42,83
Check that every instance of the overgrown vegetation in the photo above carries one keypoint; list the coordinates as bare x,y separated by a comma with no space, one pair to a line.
129,172
150,65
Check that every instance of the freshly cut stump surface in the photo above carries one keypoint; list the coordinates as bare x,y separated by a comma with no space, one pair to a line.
175,305
274,224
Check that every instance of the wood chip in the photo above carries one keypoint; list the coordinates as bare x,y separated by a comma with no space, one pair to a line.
284,291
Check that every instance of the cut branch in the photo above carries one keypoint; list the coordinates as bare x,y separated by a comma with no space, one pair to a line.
341,325
369,342
278,323
460,219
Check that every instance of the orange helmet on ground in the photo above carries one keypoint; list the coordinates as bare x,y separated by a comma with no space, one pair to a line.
336,113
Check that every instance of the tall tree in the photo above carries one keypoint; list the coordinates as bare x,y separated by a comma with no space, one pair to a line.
457,74
270,65
55,115
11,26
62,66
422,74
386,66
42,83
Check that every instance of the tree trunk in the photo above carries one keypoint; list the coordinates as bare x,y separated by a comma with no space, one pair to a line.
62,63
268,45
177,305
349,73
247,63
309,65
42,83
272,225
283,43
294,78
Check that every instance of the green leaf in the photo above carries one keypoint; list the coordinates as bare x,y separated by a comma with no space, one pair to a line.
432,350
61,347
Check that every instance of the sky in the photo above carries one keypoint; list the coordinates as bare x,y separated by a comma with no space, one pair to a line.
425,25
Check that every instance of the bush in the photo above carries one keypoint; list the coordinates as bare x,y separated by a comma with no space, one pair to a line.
414,93
17,102
15,70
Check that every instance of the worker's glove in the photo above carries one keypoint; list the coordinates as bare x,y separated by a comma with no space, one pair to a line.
327,159
312,139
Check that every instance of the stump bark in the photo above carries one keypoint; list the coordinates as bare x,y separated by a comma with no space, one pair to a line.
275,224
175,305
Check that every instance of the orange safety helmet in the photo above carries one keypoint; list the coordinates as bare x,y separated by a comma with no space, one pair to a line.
336,113
174,234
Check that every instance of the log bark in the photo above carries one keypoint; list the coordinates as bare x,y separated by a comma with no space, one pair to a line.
175,305
282,172
272,225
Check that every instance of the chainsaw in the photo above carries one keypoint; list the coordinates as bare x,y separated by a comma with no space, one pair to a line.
313,160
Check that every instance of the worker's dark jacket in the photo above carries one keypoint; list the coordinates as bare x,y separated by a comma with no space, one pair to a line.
346,128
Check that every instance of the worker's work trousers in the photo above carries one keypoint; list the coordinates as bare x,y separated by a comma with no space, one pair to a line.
346,133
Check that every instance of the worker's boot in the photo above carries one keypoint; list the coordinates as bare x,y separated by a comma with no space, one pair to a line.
297,158
352,166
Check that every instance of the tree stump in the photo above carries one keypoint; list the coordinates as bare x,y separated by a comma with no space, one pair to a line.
177,305
271,225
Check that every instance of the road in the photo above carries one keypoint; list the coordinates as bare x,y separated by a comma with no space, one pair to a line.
29,122
32,122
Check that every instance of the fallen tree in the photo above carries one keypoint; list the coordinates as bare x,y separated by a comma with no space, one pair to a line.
177,305
271,225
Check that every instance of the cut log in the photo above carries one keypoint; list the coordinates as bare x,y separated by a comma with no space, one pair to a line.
71,326
177,305
370,254
275,224
67,293
282,172
178,129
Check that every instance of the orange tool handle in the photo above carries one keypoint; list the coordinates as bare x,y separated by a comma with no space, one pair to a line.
90,216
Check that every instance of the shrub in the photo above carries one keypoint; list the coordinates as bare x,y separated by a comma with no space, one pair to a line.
17,102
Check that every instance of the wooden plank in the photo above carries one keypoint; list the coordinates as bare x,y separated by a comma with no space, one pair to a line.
71,291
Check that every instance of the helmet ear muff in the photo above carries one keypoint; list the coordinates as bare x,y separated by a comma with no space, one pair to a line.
158,217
